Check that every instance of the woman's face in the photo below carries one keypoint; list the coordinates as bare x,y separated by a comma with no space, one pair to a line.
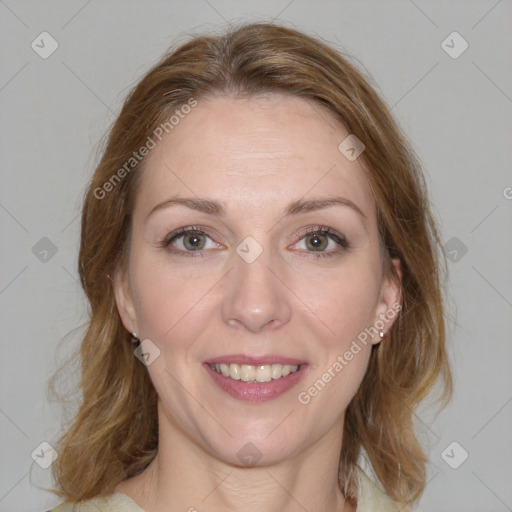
276,277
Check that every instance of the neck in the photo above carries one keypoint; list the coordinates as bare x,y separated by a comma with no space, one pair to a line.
183,476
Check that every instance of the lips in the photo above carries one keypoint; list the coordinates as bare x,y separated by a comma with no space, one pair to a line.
255,379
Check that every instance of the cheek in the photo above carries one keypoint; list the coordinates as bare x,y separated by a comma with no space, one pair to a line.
167,299
343,301
344,307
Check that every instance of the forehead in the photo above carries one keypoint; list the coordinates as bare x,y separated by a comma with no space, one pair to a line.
253,153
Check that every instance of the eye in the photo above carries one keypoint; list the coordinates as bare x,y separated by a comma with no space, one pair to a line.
189,239
322,240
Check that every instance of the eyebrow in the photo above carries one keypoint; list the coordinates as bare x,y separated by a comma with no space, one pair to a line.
216,208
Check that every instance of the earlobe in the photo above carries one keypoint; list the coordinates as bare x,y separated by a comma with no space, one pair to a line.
124,300
391,300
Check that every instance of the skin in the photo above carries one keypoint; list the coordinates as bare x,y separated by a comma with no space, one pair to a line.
254,155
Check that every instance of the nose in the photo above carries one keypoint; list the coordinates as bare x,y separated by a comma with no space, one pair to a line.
255,298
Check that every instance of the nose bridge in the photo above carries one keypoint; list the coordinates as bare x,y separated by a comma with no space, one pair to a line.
254,297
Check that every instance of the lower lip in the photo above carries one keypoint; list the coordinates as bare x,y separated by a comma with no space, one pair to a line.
256,391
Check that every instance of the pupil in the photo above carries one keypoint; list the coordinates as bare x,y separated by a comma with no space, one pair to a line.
193,241
316,242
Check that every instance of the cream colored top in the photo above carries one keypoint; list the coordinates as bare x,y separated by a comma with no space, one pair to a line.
369,499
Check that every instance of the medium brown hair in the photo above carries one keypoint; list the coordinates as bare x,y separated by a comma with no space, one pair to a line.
115,432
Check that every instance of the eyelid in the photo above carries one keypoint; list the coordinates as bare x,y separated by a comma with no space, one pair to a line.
323,230
339,239
327,231
182,231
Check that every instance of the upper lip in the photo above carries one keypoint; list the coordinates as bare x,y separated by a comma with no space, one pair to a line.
255,361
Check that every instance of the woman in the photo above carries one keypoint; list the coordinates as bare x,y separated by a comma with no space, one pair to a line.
262,269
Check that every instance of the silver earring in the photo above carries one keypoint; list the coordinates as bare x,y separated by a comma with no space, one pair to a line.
381,334
135,339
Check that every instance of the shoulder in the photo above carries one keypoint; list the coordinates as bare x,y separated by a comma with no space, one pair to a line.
370,498
117,502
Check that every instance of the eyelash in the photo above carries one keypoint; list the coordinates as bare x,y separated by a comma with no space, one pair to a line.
339,239
336,237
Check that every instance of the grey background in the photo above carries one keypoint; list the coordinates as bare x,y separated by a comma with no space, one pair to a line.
456,112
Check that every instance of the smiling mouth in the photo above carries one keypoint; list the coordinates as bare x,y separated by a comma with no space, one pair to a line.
254,373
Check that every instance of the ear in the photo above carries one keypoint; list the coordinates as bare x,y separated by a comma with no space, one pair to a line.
390,302
124,300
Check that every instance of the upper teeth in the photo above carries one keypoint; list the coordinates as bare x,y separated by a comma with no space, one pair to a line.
260,373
